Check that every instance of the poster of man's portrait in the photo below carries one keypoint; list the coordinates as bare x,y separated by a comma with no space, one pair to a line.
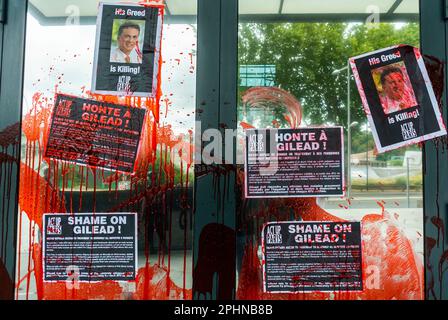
127,50
127,41
398,97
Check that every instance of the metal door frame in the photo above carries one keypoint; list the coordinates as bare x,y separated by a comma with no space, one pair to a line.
433,37
12,53
215,198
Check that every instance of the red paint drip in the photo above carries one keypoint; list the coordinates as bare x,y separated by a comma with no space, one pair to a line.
7,285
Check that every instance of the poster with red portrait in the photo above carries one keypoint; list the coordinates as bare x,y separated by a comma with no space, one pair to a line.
398,97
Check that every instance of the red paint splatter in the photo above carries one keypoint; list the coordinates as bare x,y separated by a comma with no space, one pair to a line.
9,150
216,258
268,97
384,246
48,191
245,125
7,285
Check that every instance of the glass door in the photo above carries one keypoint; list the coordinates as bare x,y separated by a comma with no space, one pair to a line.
156,195
293,73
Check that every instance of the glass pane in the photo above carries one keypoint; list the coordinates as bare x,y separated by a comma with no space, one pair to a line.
59,59
323,6
257,7
293,74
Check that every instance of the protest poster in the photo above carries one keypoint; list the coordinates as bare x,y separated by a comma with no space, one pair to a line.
93,133
398,97
312,257
127,50
303,162
94,246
